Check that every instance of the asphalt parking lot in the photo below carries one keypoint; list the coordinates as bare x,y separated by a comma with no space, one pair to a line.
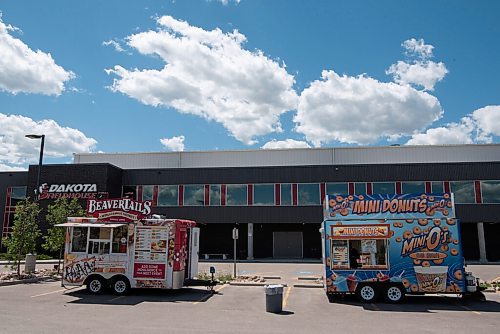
46,307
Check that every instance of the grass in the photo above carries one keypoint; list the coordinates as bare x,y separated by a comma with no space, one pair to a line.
221,277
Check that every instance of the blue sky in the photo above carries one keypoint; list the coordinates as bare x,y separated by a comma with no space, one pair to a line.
139,76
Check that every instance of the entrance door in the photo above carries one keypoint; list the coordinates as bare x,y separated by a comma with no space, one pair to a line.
287,245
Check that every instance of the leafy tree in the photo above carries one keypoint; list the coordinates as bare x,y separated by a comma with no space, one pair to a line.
25,231
57,213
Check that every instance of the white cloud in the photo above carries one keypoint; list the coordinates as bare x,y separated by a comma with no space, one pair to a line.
421,71
287,143
23,70
114,44
210,74
226,2
16,150
173,144
488,122
362,110
477,127
452,133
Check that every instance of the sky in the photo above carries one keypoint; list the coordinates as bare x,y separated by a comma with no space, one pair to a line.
164,75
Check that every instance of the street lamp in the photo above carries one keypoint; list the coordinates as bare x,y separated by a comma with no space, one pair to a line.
37,189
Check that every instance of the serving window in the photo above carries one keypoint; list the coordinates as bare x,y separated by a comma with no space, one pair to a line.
359,247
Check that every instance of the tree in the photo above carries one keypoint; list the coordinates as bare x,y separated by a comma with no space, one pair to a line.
25,231
57,213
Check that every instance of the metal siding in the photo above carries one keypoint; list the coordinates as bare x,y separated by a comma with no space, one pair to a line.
298,157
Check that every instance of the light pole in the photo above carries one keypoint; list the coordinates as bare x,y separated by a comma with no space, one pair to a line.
37,189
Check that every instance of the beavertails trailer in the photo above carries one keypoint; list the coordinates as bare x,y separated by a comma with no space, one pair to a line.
120,249
389,245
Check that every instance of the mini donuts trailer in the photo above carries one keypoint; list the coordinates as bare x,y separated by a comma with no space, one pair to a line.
149,253
389,245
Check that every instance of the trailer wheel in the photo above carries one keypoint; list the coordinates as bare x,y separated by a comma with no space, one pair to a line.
394,294
366,293
96,285
120,286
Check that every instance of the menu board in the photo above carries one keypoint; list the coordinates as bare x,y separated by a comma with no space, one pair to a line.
150,254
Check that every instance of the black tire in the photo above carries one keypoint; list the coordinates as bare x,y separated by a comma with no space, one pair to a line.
96,285
394,293
120,286
367,293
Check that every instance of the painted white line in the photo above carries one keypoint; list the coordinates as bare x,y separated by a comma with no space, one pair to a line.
116,298
48,293
470,310
208,296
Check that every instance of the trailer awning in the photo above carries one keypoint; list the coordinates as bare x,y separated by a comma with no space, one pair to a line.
91,225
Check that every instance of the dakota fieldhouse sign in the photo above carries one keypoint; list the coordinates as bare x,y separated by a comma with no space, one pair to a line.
118,209
69,190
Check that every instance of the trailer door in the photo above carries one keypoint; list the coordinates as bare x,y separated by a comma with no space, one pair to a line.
194,247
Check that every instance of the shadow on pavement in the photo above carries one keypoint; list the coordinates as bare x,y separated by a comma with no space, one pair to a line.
137,296
422,304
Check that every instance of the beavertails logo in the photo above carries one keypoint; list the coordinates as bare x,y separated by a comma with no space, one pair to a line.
73,190
118,209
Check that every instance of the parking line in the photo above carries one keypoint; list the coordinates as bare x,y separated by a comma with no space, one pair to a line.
116,298
285,299
48,293
208,296
471,310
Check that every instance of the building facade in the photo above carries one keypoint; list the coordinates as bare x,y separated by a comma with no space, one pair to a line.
274,197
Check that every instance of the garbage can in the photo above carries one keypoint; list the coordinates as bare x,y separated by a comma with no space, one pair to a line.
274,298
30,263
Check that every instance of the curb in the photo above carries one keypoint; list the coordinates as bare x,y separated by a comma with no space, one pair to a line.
309,286
28,281
251,284
309,278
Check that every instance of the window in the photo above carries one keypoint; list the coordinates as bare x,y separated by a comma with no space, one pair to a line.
194,195
79,239
337,189
308,194
236,194
167,195
17,195
129,191
99,240
286,194
437,187
490,191
147,193
263,194
360,188
413,187
463,191
215,194
383,188
359,254
119,242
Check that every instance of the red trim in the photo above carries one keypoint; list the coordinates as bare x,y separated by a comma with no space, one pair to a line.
399,187
369,188
181,195
428,187
446,186
322,191
277,193
222,194
477,187
294,193
351,188
207,194
250,194
155,195
139,193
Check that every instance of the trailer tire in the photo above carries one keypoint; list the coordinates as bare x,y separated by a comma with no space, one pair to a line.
96,285
120,285
394,293
366,293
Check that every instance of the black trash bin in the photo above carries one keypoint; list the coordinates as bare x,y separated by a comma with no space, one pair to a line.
274,298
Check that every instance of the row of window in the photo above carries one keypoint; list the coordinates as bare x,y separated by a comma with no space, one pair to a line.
286,194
